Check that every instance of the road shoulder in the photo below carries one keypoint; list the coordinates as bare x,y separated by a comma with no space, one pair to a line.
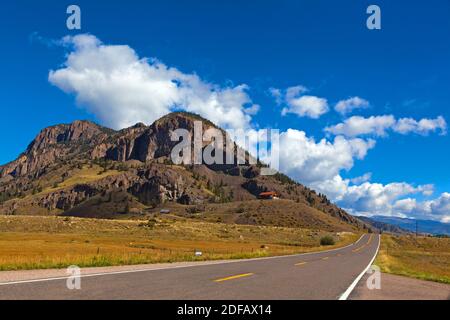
395,287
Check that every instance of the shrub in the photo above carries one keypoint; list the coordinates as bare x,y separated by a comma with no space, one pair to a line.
196,209
151,223
327,241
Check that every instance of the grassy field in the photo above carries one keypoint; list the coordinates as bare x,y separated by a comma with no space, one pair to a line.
28,242
423,257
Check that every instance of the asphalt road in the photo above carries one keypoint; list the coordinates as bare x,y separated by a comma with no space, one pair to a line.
322,275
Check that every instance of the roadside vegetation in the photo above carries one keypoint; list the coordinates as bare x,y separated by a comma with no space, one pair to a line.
426,258
28,242
327,241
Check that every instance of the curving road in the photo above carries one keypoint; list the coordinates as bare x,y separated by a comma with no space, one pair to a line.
321,275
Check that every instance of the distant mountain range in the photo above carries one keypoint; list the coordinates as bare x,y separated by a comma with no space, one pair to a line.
383,226
424,226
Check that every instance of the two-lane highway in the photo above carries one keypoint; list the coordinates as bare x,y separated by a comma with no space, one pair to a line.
321,275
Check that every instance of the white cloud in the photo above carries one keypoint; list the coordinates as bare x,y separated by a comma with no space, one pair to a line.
405,206
436,209
347,106
364,178
356,126
319,164
379,126
441,205
334,188
376,198
299,104
392,199
360,197
276,93
121,89
423,126
294,92
310,162
307,106
254,109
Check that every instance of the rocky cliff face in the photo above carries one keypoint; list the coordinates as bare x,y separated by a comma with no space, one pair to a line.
87,140
83,167
53,143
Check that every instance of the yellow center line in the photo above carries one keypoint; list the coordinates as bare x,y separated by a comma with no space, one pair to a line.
301,263
325,258
357,249
234,277
370,239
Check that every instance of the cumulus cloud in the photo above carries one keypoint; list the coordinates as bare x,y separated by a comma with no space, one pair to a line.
356,125
350,104
364,178
422,127
435,209
121,89
307,106
319,165
300,104
254,109
380,125
376,198
392,199
405,206
312,161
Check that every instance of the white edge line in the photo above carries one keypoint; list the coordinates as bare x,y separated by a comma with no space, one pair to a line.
175,267
349,290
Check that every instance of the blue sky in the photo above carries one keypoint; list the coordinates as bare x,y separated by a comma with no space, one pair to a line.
401,70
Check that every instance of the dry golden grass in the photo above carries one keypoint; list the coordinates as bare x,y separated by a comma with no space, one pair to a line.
281,212
85,175
423,257
28,242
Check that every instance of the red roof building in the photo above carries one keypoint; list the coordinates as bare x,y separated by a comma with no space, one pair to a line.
268,195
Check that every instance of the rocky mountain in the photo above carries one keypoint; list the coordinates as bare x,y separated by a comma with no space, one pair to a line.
84,169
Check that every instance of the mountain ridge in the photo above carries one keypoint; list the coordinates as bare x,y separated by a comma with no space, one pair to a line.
57,174
423,226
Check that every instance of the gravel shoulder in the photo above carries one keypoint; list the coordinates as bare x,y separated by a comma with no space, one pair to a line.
395,287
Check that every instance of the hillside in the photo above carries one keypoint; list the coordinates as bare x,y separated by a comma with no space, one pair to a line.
83,169
383,226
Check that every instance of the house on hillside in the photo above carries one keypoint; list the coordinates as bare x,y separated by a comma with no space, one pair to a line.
269,195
